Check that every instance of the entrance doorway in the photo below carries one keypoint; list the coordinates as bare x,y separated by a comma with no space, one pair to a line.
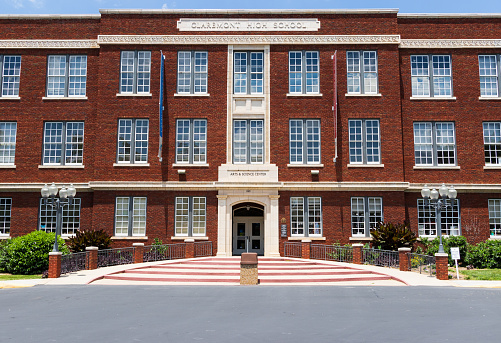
248,229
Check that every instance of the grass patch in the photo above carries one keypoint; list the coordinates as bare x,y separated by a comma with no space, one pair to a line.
9,277
481,274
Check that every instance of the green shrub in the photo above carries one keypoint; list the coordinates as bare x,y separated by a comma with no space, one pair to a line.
485,255
388,236
29,254
88,238
3,259
448,242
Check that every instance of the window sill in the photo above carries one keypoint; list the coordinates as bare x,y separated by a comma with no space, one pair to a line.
436,98
16,98
495,98
196,238
300,238
491,238
7,166
76,98
188,165
305,165
43,166
129,238
5,237
355,238
350,165
493,167
132,165
134,95
305,95
437,167
191,95
377,95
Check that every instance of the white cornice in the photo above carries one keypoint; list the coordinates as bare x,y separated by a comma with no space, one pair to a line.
449,43
461,188
448,15
249,11
49,16
48,44
37,187
247,39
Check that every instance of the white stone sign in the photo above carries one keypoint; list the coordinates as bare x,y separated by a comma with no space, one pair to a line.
222,24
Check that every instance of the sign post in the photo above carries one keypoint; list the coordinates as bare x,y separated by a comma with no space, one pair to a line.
455,256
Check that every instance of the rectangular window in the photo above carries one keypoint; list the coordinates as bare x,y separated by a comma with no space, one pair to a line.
304,140
489,66
70,219
8,132
248,141
191,141
190,216
132,141
63,143
492,143
431,79
362,71
11,72
434,144
451,220
135,68
248,72
304,72
306,212
366,214
494,217
130,216
192,72
5,210
66,75
364,141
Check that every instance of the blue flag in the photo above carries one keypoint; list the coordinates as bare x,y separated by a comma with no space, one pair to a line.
161,106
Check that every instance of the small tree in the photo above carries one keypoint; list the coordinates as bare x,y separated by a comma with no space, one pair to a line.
87,238
389,236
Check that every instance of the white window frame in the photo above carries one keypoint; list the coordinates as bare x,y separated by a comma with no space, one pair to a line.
306,216
362,72
70,223
62,80
8,136
250,142
304,141
304,72
58,143
130,216
364,141
495,217
191,141
488,69
135,75
10,67
190,216
429,142
431,79
364,215
5,216
133,141
192,68
492,143
246,78
427,224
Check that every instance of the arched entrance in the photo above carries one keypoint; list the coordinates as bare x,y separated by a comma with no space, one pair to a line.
248,228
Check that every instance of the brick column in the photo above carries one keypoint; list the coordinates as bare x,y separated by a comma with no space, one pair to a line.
248,269
55,264
357,253
305,248
404,259
190,248
138,252
442,263
91,258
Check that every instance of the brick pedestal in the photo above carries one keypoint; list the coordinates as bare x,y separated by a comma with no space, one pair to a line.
404,259
55,264
138,252
357,253
190,248
91,258
305,248
248,269
442,263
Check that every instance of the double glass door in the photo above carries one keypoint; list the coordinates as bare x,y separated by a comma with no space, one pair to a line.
248,235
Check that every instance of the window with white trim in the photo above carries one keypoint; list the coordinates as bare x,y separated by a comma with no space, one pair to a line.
364,141
488,66
495,217
130,216
431,79
248,72
306,216
366,214
8,133
190,216
434,144
451,219
192,72
248,141
362,77
5,211
66,75
132,141
304,141
10,65
304,75
70,220
191,141
63,143
492,143
135,69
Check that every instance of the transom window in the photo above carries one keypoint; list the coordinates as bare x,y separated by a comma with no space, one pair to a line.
434,144
190,216
5,211
130,216
135,68
192,72
304,141
191,141
66,75
70,219
431,79
495,217
248,72
364,141
63,143
366,214
306,216
8,133
362,71
11,72
304,72
132,141
451,220
248,141
492,143
488,66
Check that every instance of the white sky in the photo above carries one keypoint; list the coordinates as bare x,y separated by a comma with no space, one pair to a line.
93,6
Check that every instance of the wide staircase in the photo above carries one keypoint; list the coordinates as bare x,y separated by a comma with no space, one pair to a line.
271,271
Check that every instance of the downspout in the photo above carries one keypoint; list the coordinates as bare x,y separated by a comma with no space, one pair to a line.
334,102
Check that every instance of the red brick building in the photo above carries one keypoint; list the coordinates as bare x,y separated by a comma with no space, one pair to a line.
254,141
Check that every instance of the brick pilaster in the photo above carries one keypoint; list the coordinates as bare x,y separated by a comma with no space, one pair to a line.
357,253
91,258
442,264
138,252
55,264
305,248
403,257
190,248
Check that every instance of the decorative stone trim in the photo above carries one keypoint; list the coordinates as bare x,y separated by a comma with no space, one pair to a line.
449,43
48,44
